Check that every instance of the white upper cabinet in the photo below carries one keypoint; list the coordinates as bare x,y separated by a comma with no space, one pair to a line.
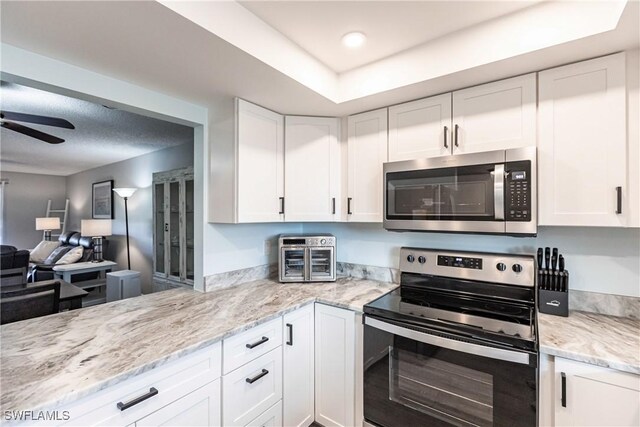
260,164
588,395
582,145
312,169
495,116
420,128
367,152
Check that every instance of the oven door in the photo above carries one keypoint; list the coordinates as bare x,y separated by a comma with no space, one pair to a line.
416,378
293,262
321,264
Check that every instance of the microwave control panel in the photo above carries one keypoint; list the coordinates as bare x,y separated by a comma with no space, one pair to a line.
518,192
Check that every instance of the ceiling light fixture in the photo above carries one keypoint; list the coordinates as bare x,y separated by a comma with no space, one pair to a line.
354,39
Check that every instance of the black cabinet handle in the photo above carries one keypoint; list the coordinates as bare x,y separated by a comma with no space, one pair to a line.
446,132
257,343
281,205
564,389
166,226
333,205
619,200
257,377
290,339
349,206
455,135
152,392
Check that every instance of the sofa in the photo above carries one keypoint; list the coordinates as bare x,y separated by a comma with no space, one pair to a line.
68,240
14,264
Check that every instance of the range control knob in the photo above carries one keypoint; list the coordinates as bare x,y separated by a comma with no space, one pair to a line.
323,241
517,268
501,266
422,259
411,258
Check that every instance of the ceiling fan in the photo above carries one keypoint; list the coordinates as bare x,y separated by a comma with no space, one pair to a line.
8,119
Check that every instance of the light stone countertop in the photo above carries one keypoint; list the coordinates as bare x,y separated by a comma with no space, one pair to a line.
598,339
53,360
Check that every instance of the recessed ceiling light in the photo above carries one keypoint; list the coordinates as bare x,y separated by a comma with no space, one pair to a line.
354,39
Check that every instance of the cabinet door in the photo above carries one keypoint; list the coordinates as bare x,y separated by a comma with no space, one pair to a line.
260,143
312,169
199,408
582,149
420,128
298,366
159,267
595,396
335,366
367,151
495,116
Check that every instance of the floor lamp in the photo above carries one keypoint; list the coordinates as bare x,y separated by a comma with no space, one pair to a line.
125,193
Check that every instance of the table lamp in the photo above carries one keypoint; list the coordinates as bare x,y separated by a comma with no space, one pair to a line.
96,229
47,224
125,193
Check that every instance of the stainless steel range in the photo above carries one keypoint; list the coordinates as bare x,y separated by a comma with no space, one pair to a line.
455,344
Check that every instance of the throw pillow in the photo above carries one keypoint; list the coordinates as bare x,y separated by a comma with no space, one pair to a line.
57,254
43,250
72,256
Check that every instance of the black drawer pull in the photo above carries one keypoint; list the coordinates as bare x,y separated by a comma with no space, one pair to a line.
563,399
257,377
152,392
290,339
257,343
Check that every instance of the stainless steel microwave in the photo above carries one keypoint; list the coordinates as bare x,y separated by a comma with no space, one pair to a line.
493,192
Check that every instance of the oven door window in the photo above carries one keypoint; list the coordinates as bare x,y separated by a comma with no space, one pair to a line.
459,193
409,383
293,260
321,263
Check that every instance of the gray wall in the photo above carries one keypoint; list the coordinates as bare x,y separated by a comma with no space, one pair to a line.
136,172
25,199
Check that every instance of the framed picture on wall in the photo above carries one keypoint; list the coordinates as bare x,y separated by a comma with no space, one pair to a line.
102,200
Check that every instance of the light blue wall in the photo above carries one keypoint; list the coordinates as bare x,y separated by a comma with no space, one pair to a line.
603,260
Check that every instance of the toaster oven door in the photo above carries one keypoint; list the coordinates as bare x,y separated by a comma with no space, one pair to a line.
322,264
293,261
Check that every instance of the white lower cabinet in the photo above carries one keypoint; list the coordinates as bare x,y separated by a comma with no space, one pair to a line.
198,408
252,389
272,417
588,395
335,343
185,391
298,367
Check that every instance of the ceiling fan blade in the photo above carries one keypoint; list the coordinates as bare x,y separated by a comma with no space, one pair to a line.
40,120
32,133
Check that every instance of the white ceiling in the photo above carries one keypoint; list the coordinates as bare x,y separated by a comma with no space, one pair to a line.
390,26
148,44
101,136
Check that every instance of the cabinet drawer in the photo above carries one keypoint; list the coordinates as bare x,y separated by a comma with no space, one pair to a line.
172,381
272,417
249,391
250,344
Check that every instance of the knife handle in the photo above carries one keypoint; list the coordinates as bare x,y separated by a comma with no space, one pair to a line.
554,259
547,257
540,255
561,261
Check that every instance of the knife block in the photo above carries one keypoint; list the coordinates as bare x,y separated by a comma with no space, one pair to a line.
554,302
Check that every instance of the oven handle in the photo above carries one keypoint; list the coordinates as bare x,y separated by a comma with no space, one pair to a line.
498,192
465,347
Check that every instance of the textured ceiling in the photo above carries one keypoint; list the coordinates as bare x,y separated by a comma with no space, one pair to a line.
102,135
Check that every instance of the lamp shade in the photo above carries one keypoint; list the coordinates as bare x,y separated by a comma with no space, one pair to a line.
95,227
125,192
52,223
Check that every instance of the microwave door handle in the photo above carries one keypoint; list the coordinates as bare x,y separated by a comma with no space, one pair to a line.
498,192
461,346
